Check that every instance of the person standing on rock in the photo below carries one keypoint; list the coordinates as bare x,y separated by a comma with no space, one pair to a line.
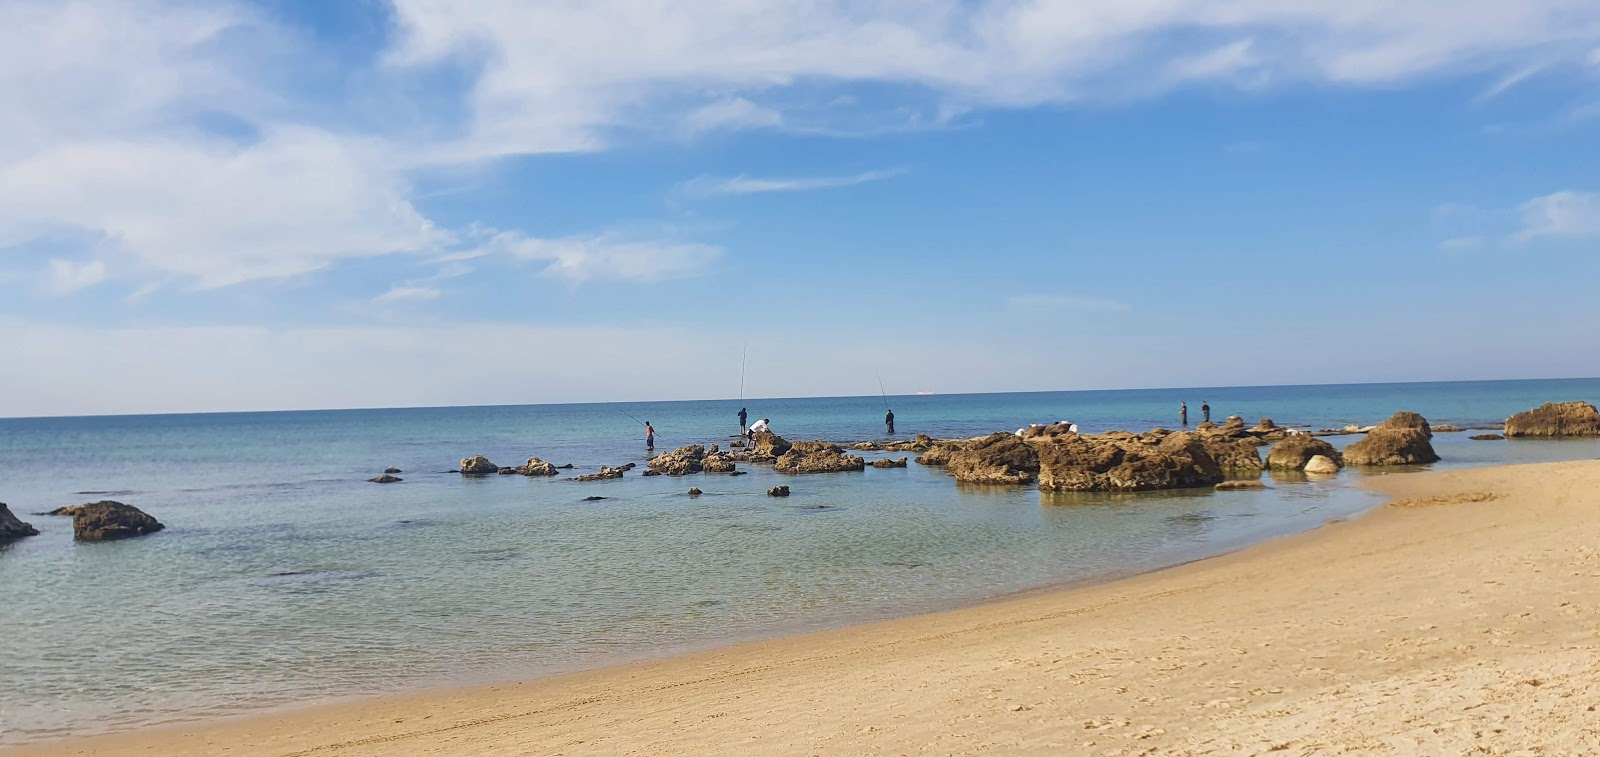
756,428
888,420
743,416
1183,412
649,437
1205,412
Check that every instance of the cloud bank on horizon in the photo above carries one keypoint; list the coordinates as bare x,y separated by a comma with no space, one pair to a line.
374,179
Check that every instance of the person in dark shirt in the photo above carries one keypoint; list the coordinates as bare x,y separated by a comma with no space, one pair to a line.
888,420
1183,412
743,416
1205,413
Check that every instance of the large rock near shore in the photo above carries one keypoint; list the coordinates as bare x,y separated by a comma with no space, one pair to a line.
1236,457
478,465
679,462
1118,463
817,457
999,458
108,521
1555,419
1321,465
1295,450
939,454
769,444
1404,439
11,527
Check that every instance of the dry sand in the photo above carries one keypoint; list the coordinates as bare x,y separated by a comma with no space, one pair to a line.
1460,619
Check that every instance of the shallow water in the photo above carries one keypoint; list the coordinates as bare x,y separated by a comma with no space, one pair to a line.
283,577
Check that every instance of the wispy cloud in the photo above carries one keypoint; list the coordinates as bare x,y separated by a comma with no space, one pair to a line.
606,256
1457,244
66,277
407,294
708,186
1062,303
1566,214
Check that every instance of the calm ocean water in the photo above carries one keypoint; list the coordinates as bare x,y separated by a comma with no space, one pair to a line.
284,577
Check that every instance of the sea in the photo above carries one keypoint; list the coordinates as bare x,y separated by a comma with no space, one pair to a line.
285,578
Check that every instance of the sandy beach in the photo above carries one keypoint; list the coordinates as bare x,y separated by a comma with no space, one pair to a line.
1461,617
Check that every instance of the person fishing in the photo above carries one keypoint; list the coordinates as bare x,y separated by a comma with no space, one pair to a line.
1205,412
649,436
756,428
1183,412
888,420
743,416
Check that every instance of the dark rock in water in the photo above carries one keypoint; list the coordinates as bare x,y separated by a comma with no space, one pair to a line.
770,444
1555,419
592,499
391,470
651,473
568,466
695,492
737,473
507,471
478,465
778,491
1404,439
817,457
887,463
1126,463
606,473
108,520
1228,486
536,467
1297,449
11,527
998,458
386,479
1485,437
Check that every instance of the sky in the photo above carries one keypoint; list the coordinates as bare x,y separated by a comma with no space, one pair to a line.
284,204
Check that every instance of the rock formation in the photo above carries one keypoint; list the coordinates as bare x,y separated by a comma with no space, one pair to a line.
1404,439
1555,419
679,462
939,454
108,520
1321,465
1238,485
606,472
386,479
769,444
478,465
695,492
537,467
1485,437
11,527
66,510
778,491
998,458
887,463
1236,457
1295,450
817,457
1123,462
391,470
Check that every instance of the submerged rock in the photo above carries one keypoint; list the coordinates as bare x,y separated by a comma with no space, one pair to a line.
695,492
1404,439
13,528
1295,450
66,510
998,458
606,472
1124,462
1555,419
386,479
887,463
1446,428
778,491
593,499
108,521
1237,485
1321,465
817,457
478,465
391,470
1486,437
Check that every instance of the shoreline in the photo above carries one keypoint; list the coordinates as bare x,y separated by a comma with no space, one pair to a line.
878,685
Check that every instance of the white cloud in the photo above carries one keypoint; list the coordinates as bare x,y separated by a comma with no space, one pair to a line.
407,294
1561,214
66,277
734,113
707,186
605,256
1062,303
1461,243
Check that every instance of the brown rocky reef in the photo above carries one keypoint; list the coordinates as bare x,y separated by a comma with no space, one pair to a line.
679,462
998,458
537,467
478,465
606,472
939,454
1555,419
108,521
1295,450
887,463
817,457
11,527
386,479
1404,439
769,444
1123,462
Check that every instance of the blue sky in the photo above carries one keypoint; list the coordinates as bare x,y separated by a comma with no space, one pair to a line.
264,205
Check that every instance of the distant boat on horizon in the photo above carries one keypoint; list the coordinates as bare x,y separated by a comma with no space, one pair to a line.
926,394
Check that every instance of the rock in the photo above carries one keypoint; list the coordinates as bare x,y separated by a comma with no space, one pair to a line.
694,492
770,444
391,470
1264,426
108,520
1321,465
568,466
1046,430
998,458
537,467
478,465
817,457
606,472
1295,450
68,510
13,528
592,499
1116,463
386,479
507,471
1555,419
651,473
1229,486
1401,440
679,462
1446,428
887,463
1236,457
939,454
718,463
922,443
1485,437
778,491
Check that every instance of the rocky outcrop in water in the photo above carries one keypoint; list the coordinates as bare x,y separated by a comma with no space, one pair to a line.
1554,420
386,479
1404,439
939,454
606,472
1486,437
817,457
1321,465
887,463
1240,485
1237,457
65,510
1126,462
478,465
13,528
695,491
679,462
391,470
778,491
921,443
537,467
108,521
769,444
1295,450
1000,458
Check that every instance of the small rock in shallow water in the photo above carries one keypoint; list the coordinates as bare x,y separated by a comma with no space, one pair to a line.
11,527
385,479
392,470
1321,465
1228,486
778,491
108,521
695,492
478,465
1486,437
592,499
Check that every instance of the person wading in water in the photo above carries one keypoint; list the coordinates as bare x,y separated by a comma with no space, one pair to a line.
1183,412
743,416
1205,412
649,437
888,420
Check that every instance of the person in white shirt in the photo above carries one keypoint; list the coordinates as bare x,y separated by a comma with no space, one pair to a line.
759,426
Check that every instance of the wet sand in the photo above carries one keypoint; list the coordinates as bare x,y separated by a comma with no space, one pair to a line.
1462,617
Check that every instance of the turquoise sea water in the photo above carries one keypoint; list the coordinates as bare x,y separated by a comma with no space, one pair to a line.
284,577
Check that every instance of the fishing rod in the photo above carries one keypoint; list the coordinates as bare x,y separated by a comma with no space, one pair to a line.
881,392
743,358
635,419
